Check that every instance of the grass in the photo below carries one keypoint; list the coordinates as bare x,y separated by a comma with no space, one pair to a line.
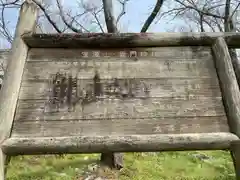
138,166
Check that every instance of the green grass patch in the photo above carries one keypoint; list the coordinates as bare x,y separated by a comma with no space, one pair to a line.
189,165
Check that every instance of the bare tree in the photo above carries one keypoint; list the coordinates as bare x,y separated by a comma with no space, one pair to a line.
90,16
208,16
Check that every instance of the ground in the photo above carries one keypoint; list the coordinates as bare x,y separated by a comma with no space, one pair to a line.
192,165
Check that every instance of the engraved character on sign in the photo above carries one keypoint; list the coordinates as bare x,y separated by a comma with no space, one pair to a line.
96,54
158,129
123,54
64,91
133,54
125,89
85,54
144,54
116,86
72,94
97,85
146,89
59,89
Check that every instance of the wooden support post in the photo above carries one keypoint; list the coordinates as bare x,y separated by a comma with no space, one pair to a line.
2,164
11,86
235,152
230,92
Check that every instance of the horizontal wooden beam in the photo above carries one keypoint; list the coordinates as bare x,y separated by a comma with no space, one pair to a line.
121,40
131,143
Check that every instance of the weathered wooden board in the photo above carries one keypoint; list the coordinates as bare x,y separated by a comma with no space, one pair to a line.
12,80
163,53
128,69
175,90
121,108
158,87
101,127
137,63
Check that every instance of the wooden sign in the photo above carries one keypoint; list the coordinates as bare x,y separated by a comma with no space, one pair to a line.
119,92
76,93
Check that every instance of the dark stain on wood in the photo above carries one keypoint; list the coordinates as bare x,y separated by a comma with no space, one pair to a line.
65,90
97,85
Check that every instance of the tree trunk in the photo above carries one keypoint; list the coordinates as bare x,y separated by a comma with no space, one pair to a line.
229,27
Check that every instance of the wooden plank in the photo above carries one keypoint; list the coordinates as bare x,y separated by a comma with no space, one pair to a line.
110,40
121,108
235,152
119,127
126,143
129,69
123,54
160,87
2,164
228,84
230,91
13,76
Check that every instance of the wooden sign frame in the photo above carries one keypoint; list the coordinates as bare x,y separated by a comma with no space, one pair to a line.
25,39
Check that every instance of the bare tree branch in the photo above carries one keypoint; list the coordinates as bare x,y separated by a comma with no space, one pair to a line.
123,3
201,22
218,24
70,26
3,28
152,16
10,3
234,11
204,12
175,11
97,20
209,24
109,17
75,21
47,16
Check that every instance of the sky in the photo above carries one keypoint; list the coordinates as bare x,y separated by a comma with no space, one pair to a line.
137,12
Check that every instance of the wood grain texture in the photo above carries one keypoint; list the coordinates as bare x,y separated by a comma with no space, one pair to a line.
228,84
119,127
183,90
125,143
235,152
158,87
117,108
230,92
104,40
121,54
128,69
16,61
13,76
2,164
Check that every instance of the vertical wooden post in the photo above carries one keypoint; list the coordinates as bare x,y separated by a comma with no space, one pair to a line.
231,95
11,86
235,152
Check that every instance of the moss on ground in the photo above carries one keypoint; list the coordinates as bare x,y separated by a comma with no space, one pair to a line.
192,165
